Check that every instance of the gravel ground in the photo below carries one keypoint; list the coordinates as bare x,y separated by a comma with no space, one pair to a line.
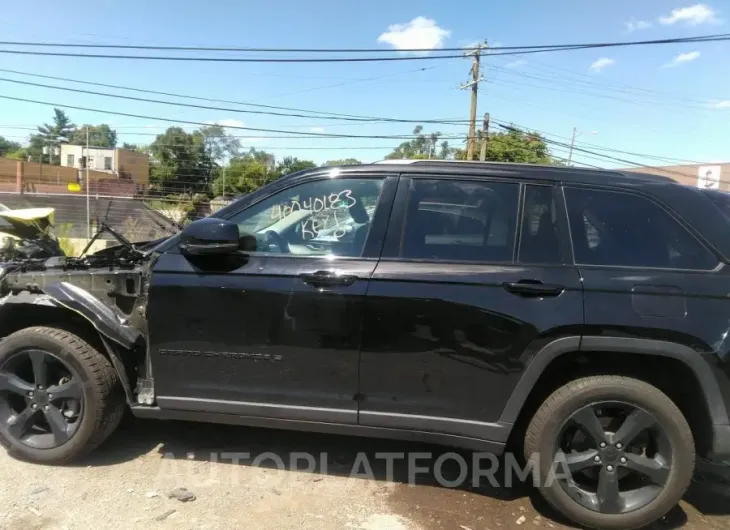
126,484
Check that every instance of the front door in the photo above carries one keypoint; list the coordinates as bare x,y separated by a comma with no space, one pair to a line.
474,279
273,330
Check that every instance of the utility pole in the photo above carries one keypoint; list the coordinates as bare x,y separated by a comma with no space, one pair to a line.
485,137
88,209
224,184
474,85
572,143
576,132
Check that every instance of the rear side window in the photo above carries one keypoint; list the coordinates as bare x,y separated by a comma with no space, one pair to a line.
622,229
460,221
539,240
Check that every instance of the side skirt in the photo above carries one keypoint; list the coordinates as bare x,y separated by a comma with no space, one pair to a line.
462,442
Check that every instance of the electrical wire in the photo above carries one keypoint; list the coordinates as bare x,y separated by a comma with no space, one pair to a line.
561,47
360,50
206,107
212,100
189,122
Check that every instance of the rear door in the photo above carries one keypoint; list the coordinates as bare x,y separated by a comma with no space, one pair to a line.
645,273
474,278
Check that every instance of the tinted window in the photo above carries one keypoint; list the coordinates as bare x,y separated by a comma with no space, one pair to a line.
326,217
460,220
539,241
613,228
721,200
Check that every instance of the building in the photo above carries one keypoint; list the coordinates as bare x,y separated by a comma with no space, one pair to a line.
122,163
711,175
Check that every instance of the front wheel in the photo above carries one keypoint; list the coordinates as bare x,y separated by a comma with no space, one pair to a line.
611,452
59,397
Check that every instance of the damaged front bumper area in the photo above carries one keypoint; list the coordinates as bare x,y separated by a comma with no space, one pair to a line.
112,300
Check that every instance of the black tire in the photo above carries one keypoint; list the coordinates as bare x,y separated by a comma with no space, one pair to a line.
550,418
103,396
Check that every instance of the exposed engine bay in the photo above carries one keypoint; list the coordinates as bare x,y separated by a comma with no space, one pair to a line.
113,275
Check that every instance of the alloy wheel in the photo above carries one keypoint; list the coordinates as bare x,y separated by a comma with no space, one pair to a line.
41,399
616,457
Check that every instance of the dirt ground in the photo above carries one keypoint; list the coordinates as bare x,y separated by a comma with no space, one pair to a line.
126,484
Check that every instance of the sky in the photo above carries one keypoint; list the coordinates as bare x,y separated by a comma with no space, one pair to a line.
670,101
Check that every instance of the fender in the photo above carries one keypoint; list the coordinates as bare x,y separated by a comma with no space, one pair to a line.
108,324
106,321
692,359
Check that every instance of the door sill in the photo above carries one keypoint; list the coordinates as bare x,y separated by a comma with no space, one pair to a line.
463,442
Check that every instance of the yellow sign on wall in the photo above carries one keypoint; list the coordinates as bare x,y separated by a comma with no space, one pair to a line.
74,186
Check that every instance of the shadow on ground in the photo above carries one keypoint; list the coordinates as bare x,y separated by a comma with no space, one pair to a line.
430,503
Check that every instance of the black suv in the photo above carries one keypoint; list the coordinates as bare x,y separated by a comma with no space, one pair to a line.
581,315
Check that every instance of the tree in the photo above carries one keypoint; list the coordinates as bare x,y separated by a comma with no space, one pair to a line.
422,146
180,161
243,175
61,127
219,145
19,154
99,136
7,146
291,164
512,146
343,162
49,136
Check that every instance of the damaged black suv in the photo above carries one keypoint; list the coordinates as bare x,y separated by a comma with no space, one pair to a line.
580,315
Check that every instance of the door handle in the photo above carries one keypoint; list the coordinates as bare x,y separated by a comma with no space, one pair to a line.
327,278
533,288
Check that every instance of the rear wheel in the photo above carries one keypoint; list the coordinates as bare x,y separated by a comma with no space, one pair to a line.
614,452
59,397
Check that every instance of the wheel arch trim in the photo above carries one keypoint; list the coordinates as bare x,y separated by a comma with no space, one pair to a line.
586,343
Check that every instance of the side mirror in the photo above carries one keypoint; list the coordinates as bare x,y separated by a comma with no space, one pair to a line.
209,236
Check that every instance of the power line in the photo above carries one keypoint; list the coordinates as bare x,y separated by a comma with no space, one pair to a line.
677,96
588,88
561,47
205,107
702,38
189,122
579,149
602,148
212,100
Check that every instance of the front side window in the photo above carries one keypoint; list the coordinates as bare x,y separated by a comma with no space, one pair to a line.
622,229
70,160
321,218
107,162
460,221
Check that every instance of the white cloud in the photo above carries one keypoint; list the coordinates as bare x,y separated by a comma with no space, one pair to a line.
636,25
420,32
516,64
722,104
229,122
682,58
317,129
602,63
692,15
